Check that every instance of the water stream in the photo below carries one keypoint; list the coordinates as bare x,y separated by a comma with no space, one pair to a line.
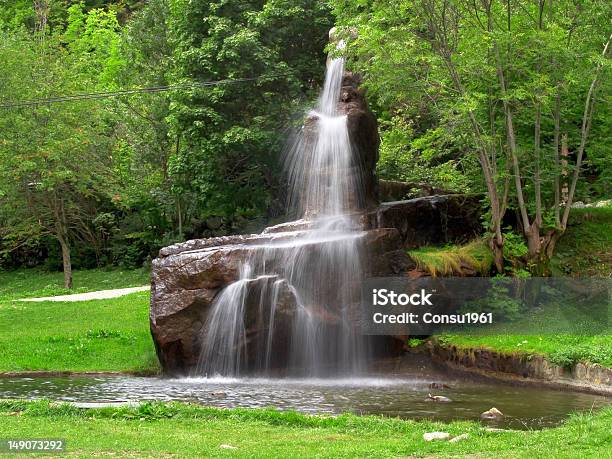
320,268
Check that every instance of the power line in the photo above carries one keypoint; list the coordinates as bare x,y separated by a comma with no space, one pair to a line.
123,92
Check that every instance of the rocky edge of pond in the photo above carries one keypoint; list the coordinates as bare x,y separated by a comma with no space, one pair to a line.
516,368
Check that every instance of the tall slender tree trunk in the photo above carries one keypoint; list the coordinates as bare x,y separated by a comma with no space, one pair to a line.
66,261
61,233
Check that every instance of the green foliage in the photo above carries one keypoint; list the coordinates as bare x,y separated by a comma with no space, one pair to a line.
55,161
432,70
229,135
584,248
568,357
152,168
498,301
427,159
514,245
515,252
415,342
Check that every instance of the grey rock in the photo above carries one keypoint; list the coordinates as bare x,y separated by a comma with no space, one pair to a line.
187,277
452,218
459,438
436,436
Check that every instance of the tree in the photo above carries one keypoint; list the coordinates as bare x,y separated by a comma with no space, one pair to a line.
54,158
227,136
503,72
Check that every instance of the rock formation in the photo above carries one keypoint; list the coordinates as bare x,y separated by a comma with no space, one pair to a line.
188,278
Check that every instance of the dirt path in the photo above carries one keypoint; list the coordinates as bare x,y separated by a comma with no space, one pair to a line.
99,295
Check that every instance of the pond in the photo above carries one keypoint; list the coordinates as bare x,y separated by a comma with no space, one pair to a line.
398,396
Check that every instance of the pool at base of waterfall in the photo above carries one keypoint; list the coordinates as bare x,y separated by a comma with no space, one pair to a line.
404,396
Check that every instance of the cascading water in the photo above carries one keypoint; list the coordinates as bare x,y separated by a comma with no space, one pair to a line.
320,268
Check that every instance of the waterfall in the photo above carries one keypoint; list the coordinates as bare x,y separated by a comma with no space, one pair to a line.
320,269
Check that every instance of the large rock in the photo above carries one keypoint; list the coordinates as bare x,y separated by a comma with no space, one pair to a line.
363,132
430,220
362,128
187,277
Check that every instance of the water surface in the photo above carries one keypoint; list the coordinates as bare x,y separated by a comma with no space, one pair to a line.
401,396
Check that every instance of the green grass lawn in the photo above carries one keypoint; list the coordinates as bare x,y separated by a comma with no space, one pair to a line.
584,250
30,283
97,335
180,430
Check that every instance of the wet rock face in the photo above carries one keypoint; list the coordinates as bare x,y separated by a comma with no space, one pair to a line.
451,218
187,277
363,132
362,129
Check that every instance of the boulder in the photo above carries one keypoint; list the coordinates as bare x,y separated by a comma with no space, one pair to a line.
187,277
363,132
431,436
440,219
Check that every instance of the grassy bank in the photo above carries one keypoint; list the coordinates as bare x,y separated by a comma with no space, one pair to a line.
173,429
31,283
545,331
585,250
99,335
586,247
562,350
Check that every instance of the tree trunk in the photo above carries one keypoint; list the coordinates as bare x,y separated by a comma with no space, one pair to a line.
550,242
66,262
498,254
538,259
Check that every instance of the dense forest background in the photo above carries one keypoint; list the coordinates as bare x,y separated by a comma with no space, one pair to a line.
127,125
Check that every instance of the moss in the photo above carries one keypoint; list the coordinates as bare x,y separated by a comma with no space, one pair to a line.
453,259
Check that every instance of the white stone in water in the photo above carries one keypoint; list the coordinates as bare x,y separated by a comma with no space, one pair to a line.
437,398
493,413
431,436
